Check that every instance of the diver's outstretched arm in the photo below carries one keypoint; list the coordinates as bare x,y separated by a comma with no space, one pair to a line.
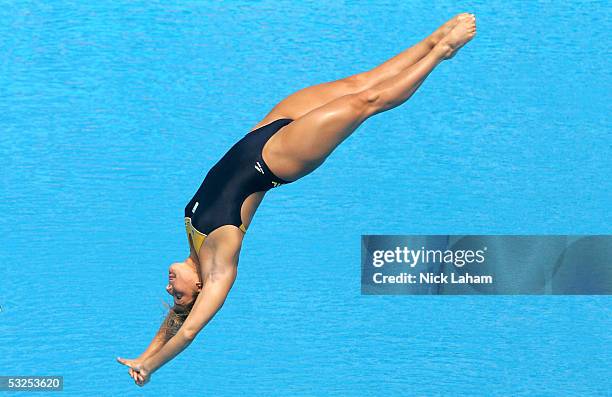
216,288
157,343
159,340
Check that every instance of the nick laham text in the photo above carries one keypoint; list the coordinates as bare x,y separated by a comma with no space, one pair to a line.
432,278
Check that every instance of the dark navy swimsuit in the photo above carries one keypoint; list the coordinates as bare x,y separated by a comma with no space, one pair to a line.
240,173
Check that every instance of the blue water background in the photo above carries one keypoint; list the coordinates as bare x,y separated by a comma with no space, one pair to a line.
111,114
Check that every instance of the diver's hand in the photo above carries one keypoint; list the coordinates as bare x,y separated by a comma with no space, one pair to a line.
143,375
129,363
136,370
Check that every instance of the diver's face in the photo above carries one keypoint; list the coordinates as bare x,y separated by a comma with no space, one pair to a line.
183,283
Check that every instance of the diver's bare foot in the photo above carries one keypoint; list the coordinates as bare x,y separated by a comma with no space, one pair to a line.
445,29
464,31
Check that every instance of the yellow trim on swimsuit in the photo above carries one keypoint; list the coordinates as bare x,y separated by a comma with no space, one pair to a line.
198,237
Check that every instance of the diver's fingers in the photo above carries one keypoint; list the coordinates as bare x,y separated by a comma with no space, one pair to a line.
124,361
139,380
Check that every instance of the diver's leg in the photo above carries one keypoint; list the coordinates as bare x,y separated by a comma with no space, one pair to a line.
301,146
303,101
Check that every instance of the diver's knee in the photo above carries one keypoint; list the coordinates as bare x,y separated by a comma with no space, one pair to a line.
356,83
367,101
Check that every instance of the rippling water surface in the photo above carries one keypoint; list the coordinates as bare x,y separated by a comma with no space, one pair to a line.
111,114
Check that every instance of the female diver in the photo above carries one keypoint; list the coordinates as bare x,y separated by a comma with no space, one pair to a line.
293,140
